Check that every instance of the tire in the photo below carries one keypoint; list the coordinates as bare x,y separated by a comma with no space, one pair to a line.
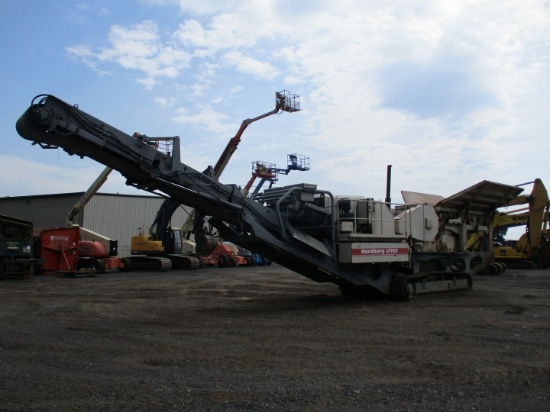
400,289
127,263
98,266
223,261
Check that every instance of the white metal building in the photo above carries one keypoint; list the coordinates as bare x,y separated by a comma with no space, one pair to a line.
118,217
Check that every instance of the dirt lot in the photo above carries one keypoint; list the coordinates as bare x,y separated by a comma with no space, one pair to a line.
265,338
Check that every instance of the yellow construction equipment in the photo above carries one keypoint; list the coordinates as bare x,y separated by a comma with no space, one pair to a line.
532,249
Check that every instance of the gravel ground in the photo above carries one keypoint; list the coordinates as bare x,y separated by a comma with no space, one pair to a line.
265,338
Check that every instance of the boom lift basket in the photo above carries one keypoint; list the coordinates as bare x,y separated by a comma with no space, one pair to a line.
291,101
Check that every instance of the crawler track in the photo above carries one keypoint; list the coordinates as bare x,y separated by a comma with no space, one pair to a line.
147,263
431,285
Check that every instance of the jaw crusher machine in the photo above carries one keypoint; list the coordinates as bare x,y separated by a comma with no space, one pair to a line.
360,244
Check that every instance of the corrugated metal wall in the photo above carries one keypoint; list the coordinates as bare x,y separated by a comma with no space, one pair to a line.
45,211
118,217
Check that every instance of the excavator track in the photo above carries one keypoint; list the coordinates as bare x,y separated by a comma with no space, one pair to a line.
184,262
431,285
523,264
151,263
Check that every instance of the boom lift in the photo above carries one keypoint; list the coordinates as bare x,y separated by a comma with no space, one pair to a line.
85,198
176,241
76,250
533,247
269,171
355,242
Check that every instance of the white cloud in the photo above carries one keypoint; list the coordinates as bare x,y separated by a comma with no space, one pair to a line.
81,50
148,82
224,32
251,66
192,33
139,48
164,102
206,118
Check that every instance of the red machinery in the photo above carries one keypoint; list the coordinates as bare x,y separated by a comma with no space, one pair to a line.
78,250
224,255
64,251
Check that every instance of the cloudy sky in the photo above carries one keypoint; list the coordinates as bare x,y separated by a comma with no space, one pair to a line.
449,93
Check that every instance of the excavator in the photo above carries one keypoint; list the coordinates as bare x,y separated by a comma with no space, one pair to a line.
362,245
176,243
532,249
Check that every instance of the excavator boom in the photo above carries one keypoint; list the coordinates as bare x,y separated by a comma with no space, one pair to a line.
533,247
